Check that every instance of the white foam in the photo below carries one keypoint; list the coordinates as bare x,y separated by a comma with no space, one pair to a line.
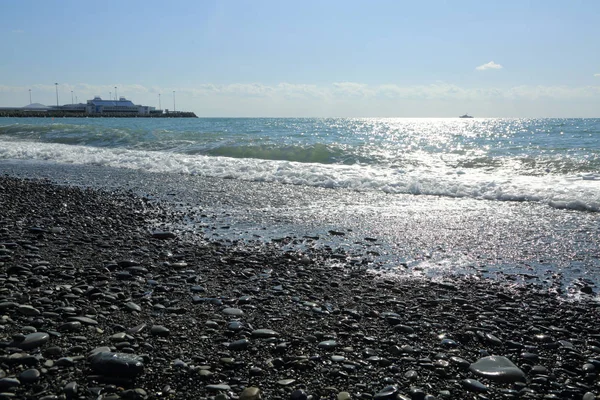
570,192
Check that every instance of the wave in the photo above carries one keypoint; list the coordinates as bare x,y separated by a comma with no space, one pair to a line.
527,165
70,134
315,153
211,143
342,150
579,192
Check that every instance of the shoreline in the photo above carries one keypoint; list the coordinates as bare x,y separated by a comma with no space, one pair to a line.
200,319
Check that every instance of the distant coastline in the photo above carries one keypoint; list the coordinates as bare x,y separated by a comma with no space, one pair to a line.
75,114
95,108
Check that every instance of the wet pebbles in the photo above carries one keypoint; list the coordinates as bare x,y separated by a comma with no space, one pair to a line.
98,299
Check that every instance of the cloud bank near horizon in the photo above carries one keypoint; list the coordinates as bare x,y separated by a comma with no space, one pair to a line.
336,90
347,99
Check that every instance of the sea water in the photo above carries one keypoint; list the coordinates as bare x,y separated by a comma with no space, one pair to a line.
460,195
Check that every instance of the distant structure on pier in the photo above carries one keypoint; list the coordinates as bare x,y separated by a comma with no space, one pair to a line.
97,107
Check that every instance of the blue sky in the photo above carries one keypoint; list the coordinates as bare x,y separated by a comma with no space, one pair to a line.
309,58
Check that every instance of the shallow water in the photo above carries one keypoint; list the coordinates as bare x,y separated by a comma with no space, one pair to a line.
405,235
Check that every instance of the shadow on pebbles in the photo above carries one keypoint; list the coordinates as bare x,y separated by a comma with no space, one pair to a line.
98,302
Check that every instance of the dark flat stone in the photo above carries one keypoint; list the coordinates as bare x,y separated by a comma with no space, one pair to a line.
473,385
33,340
116,364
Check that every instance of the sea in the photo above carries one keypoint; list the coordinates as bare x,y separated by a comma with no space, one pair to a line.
510,199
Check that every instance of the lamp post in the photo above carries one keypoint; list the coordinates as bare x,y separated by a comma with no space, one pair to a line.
110,95
173,101
56,86
159,107
30,96
72,97
116,98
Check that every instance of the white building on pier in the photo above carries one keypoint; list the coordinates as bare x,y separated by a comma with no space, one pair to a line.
121,106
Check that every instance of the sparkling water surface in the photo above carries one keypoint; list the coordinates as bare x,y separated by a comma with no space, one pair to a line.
554,161
514,199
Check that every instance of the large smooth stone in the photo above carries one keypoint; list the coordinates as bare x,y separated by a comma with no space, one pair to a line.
33,340
497,368
116,364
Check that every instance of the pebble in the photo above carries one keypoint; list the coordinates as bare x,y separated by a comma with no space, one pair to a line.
71,389
388,392
65,362
29,375
131,306
84,320
235,326
286,382
473,385
159,330
9,383
73,326
218,387
241,344
250,393
163,235
460,362
264,333
234,312
116,364
299,394
29,310
33,340
497,368
327,344
136,329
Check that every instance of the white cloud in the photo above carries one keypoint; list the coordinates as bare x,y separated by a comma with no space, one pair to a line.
597,75
490,65
18,31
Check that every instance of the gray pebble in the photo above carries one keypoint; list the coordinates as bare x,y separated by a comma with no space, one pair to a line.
116,364
29,375
159,330
33,340
497,368
473,385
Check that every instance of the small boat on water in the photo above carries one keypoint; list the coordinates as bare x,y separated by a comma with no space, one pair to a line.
466,116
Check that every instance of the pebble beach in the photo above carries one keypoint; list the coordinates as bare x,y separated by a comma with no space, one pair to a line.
99,299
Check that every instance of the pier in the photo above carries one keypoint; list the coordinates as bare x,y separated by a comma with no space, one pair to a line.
95,108
19,113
